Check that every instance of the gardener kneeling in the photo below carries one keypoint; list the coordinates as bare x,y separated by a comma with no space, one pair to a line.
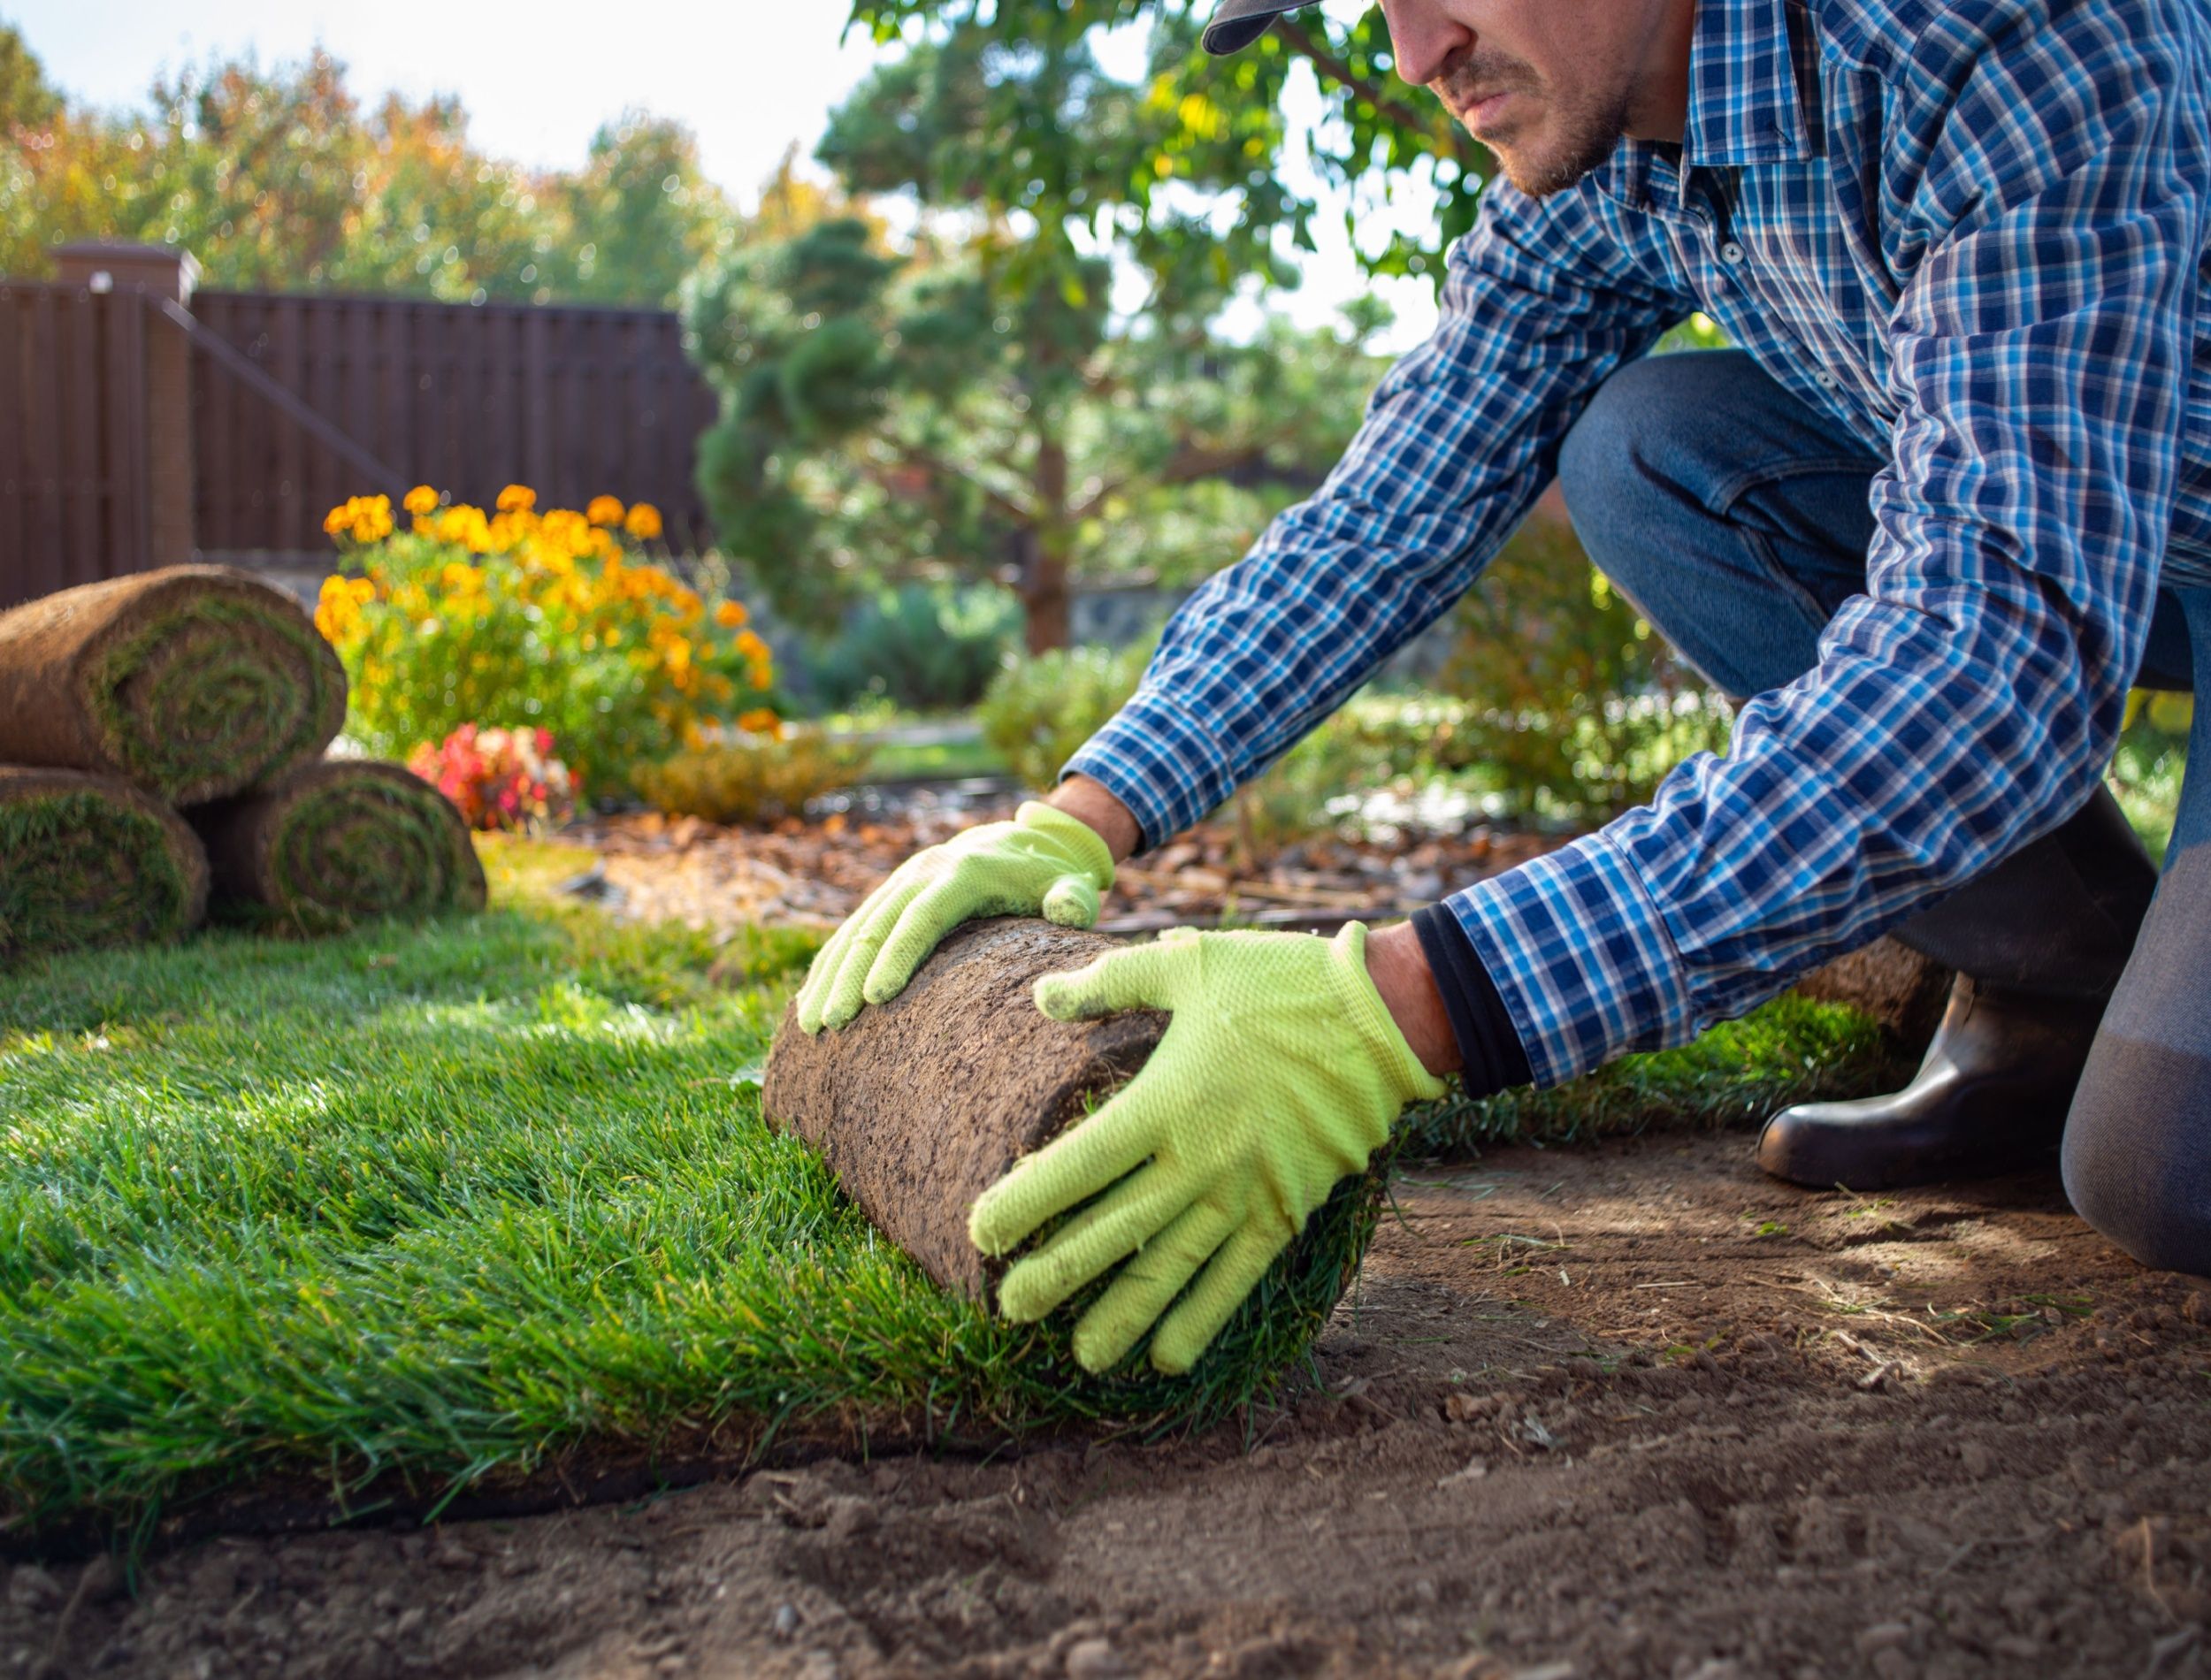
1947,503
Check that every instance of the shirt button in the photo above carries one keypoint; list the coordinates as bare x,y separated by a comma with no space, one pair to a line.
1731,252
1824,378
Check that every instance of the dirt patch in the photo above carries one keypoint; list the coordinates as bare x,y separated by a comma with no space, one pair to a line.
815,874
1627,1411
921,1104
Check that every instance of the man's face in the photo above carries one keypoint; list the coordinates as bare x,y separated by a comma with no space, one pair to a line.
1549,86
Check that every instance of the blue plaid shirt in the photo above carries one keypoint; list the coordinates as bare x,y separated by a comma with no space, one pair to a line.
1975,230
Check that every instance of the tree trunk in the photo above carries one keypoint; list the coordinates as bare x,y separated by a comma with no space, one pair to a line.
1044,552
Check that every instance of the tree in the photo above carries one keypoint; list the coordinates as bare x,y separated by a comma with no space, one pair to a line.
1380,131
26,99
277,179
977,408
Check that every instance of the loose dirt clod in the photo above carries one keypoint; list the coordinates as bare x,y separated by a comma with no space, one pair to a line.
920,1105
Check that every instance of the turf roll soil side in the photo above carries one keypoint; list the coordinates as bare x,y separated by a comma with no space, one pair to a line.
91,861
194,682
920,1105
337,840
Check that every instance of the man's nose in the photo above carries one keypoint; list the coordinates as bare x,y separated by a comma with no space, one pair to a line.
1423,38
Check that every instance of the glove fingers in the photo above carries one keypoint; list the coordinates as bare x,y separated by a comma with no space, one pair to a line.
858,940
1130,1215
1072,902
919,926
1188,1330
1083,1161
1136,977
1154,1275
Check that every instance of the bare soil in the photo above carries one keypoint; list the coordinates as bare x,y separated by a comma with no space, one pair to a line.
815,874
1628,1411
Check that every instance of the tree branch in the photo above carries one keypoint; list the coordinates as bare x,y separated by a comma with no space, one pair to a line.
1294,35
921,455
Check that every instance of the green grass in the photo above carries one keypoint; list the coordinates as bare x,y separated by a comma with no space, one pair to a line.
1790,1050
452,1200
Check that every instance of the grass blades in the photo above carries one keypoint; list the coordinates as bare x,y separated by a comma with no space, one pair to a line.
1790,1050
452,1199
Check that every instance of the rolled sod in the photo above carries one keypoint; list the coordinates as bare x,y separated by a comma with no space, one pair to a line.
91,861
920,1105
194,682
336,842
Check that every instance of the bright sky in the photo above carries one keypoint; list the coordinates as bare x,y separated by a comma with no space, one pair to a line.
749,78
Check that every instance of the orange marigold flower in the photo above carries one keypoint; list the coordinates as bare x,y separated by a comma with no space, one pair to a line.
729,615
760,721
644,521
750,646
420,501
517,499
604,510
336,520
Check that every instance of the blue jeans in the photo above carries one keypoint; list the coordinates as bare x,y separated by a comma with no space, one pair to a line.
1737,520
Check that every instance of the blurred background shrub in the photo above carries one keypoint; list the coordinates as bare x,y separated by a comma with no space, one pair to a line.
1039,709
750,777
1577,708
926,647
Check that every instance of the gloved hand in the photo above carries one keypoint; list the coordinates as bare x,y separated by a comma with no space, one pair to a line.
1280,1073
1043,861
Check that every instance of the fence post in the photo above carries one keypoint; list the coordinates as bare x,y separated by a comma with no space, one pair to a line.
158,271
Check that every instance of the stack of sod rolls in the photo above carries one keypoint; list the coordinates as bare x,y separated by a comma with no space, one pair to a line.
147,722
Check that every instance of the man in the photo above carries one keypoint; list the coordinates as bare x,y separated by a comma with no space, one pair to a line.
1949,499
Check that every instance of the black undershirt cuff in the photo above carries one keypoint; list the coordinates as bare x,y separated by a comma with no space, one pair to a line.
1488,1040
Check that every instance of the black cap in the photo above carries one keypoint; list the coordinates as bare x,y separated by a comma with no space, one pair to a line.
1238,23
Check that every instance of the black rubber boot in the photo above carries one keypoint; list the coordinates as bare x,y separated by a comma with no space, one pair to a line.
1990,1097
2039,942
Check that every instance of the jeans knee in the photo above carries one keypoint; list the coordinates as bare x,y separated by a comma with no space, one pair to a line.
2134,1158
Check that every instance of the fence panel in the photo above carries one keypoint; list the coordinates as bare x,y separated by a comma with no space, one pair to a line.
73,453
572,402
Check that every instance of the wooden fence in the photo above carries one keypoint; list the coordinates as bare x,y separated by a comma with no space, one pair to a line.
74,438
569,402
141,424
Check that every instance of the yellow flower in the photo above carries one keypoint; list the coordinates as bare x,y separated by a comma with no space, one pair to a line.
760,721
517,499
750,646
336,520
420,501
604,510
644,521
729,615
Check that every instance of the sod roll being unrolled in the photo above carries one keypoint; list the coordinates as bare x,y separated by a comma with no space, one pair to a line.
194,682
920,1105
337,840
91,861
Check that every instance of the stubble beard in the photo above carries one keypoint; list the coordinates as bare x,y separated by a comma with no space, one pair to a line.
1583,134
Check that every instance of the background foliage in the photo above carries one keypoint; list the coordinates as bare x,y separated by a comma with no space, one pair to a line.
279,177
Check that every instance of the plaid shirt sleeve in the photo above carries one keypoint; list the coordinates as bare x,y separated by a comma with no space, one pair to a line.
2039,202
1540,303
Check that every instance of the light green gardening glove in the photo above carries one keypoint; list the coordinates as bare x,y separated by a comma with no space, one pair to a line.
1043,862
1280,1073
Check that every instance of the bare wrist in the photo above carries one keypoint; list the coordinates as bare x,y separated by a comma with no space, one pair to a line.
1088,802
1399,969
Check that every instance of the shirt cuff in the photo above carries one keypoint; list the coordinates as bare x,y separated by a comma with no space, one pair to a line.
1489,1042
1582,957
1158,762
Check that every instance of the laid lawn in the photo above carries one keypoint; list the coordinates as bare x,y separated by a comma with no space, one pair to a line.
421,1210
450,1201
